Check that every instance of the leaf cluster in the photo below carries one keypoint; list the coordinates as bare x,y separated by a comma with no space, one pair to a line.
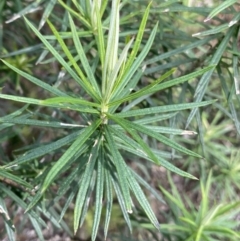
121,91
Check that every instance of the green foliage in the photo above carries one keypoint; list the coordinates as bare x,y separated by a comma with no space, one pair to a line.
120,79
208,222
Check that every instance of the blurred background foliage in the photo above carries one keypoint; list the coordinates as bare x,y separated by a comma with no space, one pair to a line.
191,35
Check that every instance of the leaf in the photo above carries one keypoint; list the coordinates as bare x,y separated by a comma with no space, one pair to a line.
83,58
127,77
69,199
142,200
71,151
163,109
170,131
112,46
109,199
22,204
119,163
115,72
161,159
52,124
37,227
41,102
121,200
68,181
85,183
225,4
98,33
76,14
88,197
14,179
146,185
70,100
179,50
138,40
99,193
220,28
144,147
47,11
36,81
129,125
44,149
153,88
203,83
82,82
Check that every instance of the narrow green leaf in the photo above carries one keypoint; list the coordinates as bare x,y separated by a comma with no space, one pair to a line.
115,71
34,201
210,215
127,77
85,184
81,6
225,4
112,46
98,33
146,185
163,109
41,102
142,199
148,89
201,132
155,119
220,229
143,146
228,208
220,28
9,176
119,163
154,87
76,14
72,150
10,232
47,11
84,82
67,35
203,83
44,149
70,100
109,200
69,199
173,199
88,197
129,125
130,86
182,49
138,40
52,124
66,183
99,193
121,201
172,64
37,228
215,30
22,204
30,8
9,226
166,164
169,130
83,57
36,81
189,221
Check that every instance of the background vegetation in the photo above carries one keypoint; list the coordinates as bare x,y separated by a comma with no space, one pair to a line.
113,103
